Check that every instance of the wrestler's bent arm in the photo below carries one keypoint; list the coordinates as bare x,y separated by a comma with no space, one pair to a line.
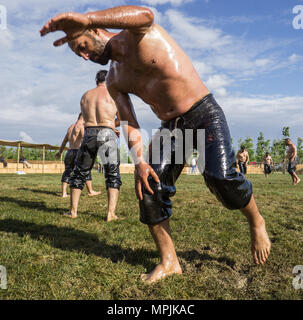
63,144
134,18
131,129
123,17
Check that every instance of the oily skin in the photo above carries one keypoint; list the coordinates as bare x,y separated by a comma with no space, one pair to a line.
74,137
243,156
268,160
147,62
291,154
98,109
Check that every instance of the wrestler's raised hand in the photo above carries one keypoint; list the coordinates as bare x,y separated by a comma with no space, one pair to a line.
142,172
72,23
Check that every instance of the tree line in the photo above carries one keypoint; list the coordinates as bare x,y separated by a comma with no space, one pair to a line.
276,148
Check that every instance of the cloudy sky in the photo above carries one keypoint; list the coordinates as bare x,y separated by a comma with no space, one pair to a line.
246,51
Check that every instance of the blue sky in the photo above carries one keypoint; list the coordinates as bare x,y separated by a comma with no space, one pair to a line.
246,51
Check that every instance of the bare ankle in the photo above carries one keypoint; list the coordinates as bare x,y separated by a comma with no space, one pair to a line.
257,222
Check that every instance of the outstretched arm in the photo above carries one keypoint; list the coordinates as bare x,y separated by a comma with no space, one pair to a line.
134,18
63,144
131,131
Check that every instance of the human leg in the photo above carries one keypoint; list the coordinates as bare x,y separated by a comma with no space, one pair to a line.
169,263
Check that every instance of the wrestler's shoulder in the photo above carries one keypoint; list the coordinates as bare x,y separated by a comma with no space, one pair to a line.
112,78
87,94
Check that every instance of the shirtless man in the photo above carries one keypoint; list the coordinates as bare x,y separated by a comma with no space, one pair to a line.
74,137
242,158
147,62
99,112
291,155
268,163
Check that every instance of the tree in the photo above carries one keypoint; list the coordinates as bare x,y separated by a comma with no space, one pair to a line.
285,132
277,150
300,150
262,147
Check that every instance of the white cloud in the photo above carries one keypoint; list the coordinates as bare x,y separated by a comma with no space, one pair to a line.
294,58
25,137
6,39
265,110
193,35
217,83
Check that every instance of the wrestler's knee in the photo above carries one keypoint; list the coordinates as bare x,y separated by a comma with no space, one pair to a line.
112,176
157,207
89,177
78,178
234,191
65,177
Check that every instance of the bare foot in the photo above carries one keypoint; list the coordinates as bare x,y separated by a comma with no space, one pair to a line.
93,193
65,195
112,217
298,180
162,271
260,244
70,215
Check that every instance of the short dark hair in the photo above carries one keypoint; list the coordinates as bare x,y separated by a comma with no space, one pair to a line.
100,76
243,147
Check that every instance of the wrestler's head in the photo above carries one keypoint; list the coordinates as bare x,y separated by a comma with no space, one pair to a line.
267,154
93,45
243,148
287,141
100,76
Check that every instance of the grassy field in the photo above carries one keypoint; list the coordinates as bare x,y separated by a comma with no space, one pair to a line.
48,256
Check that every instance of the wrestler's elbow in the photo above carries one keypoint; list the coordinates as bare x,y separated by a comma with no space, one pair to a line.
147,17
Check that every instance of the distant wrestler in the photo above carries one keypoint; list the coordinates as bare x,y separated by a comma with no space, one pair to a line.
243,159
74,137
268,164
101,119
291,155
147,62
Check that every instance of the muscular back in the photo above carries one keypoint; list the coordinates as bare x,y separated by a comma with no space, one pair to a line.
98,108
157,70
75,134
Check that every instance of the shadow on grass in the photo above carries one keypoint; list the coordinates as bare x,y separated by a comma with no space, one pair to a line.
194,256
40,191
37,205
77,240
70,239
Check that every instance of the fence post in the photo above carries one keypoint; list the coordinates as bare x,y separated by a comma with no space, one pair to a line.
18,155
43,159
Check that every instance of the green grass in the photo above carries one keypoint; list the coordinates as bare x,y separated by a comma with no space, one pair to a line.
48,256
